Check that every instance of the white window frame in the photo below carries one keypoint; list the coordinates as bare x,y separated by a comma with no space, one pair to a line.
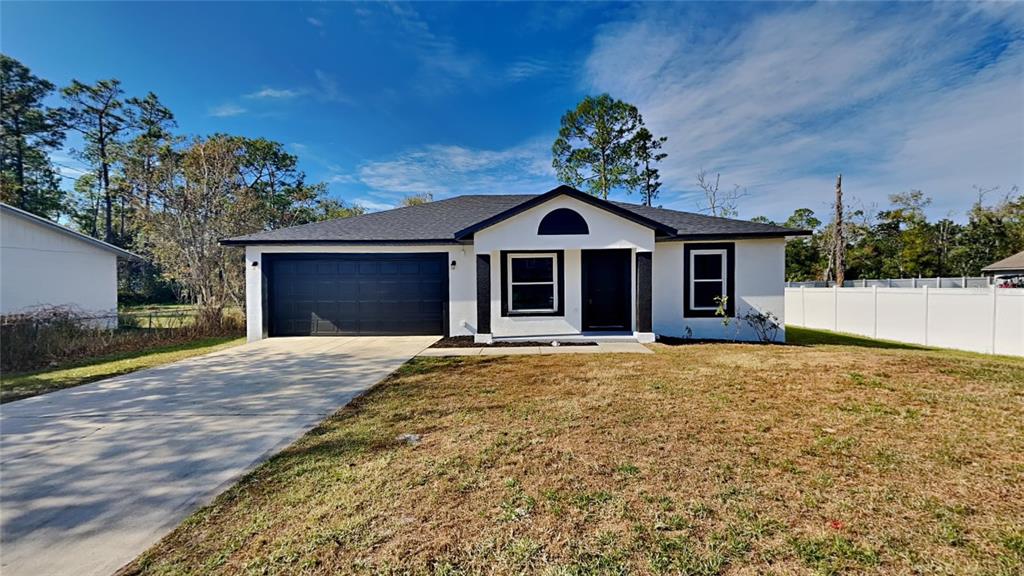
553,283
723,281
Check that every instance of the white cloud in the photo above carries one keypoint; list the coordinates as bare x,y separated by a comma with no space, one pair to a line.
525,69
893,98
445,170
372,204
226,110
443,65
275,94
315,22
328,89
340,178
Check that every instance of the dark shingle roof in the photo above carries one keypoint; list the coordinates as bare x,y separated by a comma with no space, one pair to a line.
440,222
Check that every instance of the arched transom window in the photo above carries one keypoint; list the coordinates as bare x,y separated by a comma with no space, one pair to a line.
562,221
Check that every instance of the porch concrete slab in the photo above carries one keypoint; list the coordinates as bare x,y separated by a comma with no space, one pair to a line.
520,351
624,348
601,348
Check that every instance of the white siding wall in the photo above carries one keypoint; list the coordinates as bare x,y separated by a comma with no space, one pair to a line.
520,233
40,266
461,281
760,284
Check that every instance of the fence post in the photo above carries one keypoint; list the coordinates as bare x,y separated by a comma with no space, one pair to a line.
874,311
913,282
925,315
995,318
803,308
835,308
963,281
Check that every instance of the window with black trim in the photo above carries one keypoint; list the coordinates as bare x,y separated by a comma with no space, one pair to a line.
707,278
532,282
709,274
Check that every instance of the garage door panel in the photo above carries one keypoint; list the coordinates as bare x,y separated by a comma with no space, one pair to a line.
357,294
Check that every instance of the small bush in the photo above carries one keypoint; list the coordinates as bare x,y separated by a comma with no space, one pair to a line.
58,336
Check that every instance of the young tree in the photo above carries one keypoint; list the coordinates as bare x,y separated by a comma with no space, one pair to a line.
594,148
28,129
98,112
718,202
646,154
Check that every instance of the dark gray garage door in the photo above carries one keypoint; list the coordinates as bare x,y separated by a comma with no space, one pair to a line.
356,294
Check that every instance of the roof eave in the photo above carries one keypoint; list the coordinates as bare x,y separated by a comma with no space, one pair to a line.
96,242
737,236
256,242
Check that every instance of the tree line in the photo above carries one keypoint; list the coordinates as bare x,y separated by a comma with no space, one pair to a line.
899,241
165,196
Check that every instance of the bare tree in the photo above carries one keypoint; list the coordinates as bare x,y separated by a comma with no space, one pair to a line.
838,236
718,202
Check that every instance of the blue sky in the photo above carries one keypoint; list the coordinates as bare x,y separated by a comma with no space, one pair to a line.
386,100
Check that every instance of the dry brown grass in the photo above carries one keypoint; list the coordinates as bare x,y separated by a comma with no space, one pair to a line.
700,459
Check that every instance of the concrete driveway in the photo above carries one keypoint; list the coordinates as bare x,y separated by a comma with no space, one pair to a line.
92,476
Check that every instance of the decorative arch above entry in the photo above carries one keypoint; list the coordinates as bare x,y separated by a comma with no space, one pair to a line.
562,221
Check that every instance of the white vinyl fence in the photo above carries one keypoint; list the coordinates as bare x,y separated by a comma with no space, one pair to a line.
987,320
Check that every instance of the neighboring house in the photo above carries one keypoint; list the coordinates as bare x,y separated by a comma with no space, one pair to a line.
43,264
1008,272
545,266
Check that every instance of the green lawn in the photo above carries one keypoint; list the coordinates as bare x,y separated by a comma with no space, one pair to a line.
23,385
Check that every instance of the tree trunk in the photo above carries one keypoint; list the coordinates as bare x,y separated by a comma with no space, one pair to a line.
839,239
20,159
96,215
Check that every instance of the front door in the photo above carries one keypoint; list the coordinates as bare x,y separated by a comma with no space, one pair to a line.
606,290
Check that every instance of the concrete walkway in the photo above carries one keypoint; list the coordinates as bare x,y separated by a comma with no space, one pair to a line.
601,348
92,476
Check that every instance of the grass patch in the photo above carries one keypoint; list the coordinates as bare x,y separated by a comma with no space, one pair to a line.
24,385
705,459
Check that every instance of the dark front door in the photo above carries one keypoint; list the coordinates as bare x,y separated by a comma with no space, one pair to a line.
357,294
606,299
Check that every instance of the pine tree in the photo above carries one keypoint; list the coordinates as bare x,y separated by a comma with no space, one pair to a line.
28,129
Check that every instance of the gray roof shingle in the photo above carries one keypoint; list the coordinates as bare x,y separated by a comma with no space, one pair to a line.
440,221
1008,264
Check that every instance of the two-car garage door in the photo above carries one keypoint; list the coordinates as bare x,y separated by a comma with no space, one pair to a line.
356,294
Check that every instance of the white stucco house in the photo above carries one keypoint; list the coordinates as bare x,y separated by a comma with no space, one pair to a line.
561,264
43,264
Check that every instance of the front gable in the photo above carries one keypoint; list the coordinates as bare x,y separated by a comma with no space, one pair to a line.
563,221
